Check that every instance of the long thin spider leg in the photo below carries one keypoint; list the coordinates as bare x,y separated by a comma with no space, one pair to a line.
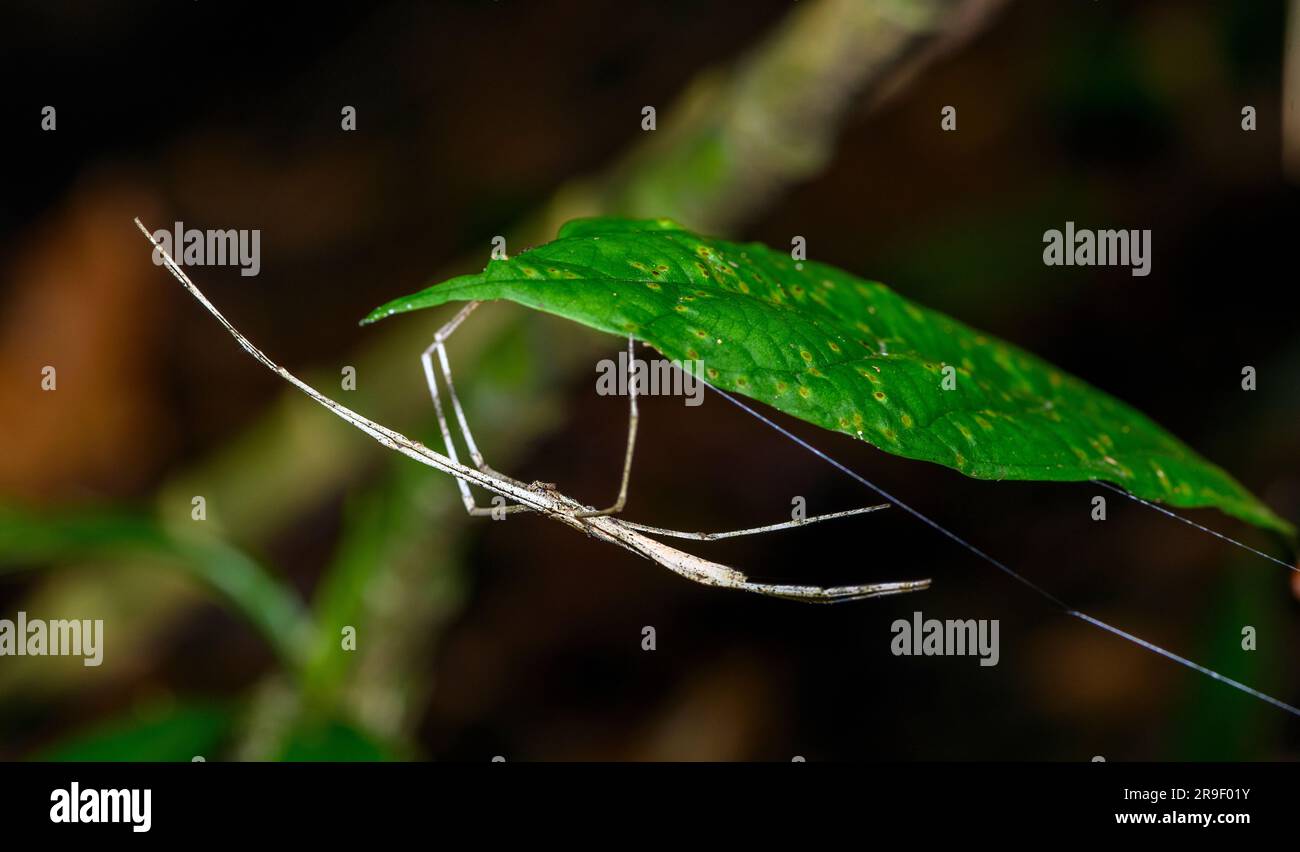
834,594
440,345
632,418
701,536
426,359
712,574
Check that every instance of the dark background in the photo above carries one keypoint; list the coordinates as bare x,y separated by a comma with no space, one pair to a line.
522,639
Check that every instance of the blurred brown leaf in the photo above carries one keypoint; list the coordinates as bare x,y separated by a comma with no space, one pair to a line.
81,299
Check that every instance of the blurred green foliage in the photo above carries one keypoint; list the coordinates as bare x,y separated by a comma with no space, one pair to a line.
161,733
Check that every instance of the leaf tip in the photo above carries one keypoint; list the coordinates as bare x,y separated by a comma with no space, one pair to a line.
382,312
373,317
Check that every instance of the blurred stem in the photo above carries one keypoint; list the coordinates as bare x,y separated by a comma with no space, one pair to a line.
738,137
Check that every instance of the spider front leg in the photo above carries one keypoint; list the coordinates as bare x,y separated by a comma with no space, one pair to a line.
439,346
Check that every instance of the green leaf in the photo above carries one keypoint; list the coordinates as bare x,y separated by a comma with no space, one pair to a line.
848,355
333,739
158,734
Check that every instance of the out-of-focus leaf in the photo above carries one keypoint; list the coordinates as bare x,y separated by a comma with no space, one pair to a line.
332,740
848,355
371,530
27,538
177,734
